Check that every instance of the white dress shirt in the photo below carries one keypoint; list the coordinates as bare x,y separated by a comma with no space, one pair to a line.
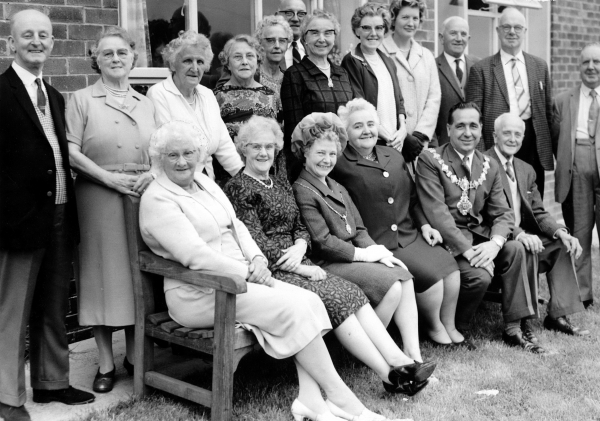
29,81
585,101
463,66
514,188
289,58
510,84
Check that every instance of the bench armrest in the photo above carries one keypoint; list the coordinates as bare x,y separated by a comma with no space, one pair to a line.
150,262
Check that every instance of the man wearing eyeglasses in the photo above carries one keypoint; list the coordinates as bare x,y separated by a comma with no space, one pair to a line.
294,12
516,82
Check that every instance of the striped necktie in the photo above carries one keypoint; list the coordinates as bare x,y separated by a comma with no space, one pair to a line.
41,98
465,165
459,72
522,102
510,172
295,52
593,116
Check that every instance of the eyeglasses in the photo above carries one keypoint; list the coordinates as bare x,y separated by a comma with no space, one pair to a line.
109,54
367,28
290,14
240,57
518,29
257,147
327,34
187,155
273,41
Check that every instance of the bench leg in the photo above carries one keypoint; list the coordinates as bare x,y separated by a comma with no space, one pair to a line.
143,360
223,368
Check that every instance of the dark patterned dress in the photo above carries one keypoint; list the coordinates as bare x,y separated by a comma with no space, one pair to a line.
273,219
238,104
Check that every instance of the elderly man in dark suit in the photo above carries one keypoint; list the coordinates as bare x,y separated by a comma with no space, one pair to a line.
575,128
517,82
453,68
294,12
38,225
550,247
461,193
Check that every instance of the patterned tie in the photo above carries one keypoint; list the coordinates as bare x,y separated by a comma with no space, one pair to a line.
41,98
465,165
295,52
593,116
459,72
510,172
519,89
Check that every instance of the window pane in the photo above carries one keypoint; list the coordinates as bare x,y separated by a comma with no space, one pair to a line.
165,20
270,7
482,35
234,16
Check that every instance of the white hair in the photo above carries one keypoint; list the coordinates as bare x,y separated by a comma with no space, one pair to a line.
171,131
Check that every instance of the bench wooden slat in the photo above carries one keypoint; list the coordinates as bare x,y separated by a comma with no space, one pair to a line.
178,388
169,327
182,331
159,318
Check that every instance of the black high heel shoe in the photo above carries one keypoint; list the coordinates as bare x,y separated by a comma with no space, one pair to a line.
128,366
104,382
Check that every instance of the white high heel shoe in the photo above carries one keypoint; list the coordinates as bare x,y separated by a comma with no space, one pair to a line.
301,412
366,415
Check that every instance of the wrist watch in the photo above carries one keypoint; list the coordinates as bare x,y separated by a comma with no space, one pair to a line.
498,240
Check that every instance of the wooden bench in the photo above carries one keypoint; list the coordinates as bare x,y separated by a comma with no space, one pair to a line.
226,343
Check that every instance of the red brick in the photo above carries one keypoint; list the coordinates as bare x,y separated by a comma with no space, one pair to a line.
3,47
80,66
11,8
4,29
106,17
59,30
55,66
94,3
66,14
5,63
84,32
68,48
110,4
68,83
91,79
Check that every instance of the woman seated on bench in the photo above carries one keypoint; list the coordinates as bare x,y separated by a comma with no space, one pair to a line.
267,207
185,217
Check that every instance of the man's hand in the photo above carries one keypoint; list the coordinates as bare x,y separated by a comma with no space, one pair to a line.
572,243
532,242
485,253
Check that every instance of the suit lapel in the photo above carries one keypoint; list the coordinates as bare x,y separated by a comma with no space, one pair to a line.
504,177
476,170
531,77
23,98
498,71
522,182
455,162
574,107
449,74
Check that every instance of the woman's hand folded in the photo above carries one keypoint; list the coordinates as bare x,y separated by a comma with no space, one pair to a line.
258,272
314,273
292,257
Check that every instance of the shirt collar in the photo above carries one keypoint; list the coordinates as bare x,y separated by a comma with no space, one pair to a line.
585,91
505,57
452,59
461,156
502,158
26,77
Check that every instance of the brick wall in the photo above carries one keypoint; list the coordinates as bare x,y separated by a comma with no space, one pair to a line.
426,34
76,24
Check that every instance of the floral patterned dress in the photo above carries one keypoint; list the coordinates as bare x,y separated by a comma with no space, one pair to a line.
273,219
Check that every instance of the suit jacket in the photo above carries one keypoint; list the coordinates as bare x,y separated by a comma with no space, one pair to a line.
564,131
490,214
451,93
487,88
384,194
364,82
27,168
534,218
330,240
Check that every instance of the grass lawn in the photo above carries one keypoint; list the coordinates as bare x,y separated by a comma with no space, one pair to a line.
561,386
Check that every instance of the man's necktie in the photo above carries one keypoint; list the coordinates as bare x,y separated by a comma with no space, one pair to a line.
295,52
465,165
459,72
41,98
519,89
510,172
593,116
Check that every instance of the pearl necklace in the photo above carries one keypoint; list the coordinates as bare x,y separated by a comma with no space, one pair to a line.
119,93
260,181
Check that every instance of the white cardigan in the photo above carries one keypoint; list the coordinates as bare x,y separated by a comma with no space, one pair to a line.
420,85
170,104
178,227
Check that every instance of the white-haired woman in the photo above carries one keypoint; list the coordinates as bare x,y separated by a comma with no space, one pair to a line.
181,97
315,84
391,201
108,128
274,34
186,217
268,208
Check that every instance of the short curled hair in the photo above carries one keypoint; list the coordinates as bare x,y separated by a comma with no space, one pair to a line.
319,14
248,39
371,9
255,125
184,39
357,104
171,131
112,31
397,5
318,126
273,20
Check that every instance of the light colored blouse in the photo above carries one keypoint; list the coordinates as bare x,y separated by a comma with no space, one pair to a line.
386,104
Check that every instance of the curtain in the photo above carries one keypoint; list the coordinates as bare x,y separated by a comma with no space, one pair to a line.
135,19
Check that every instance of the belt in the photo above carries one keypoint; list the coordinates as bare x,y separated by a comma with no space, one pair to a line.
128,167
587,141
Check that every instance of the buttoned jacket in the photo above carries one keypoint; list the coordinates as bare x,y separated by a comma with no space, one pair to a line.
487,88
384,194
330,240
420,85
28,169
439,196
364,82
534,218
451,93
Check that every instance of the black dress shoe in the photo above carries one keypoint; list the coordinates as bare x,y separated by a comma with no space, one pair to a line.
104,383
529,336
408,389
588,303
128,366
467,343
415,372
14,413
562,324
68,396
518,341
